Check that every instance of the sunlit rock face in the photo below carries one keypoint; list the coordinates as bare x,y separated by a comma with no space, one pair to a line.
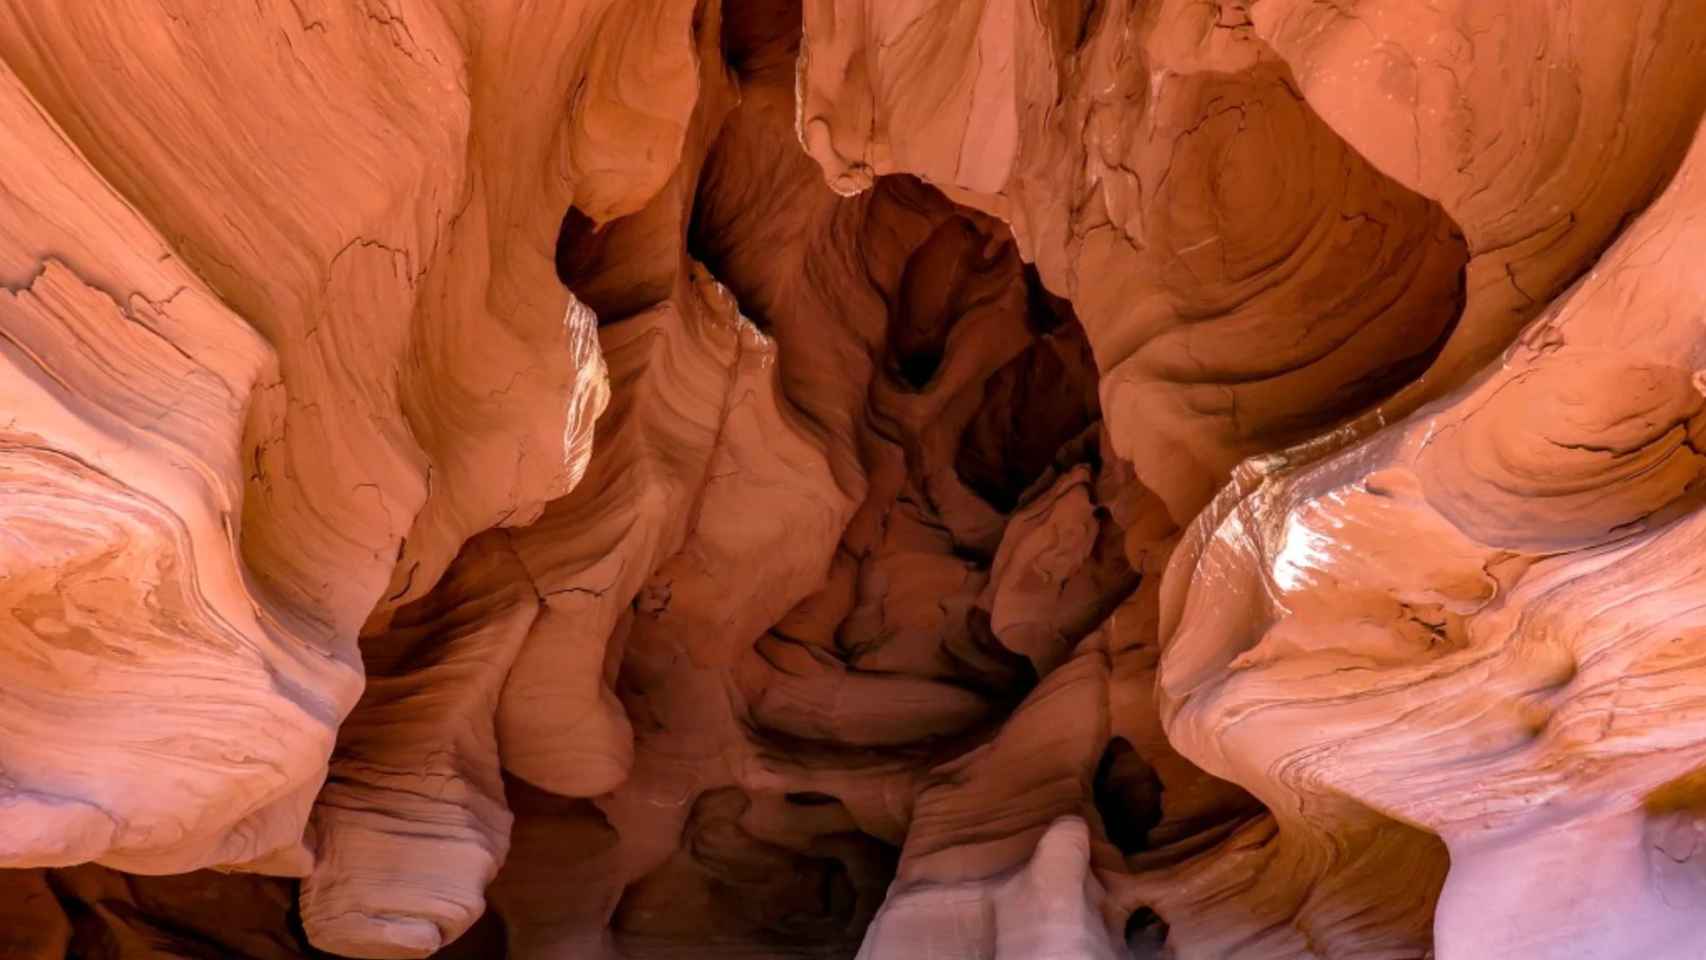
777,479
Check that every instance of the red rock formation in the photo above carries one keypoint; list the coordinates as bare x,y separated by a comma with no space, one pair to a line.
851,478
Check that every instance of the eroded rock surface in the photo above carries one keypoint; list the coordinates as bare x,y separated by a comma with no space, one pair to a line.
982,480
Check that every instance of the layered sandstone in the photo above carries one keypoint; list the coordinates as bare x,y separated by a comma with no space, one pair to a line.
852,478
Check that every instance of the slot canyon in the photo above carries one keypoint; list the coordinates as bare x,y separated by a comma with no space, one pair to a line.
861,479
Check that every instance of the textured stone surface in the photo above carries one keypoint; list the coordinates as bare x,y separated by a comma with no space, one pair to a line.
870,479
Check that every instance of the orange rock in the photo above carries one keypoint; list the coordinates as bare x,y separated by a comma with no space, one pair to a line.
852,478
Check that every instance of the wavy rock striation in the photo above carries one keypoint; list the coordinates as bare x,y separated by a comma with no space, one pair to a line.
781,479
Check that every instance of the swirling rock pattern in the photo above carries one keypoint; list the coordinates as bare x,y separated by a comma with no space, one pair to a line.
984,480
1523,690
126,594
414,798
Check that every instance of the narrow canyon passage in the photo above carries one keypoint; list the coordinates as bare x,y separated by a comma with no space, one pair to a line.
789,479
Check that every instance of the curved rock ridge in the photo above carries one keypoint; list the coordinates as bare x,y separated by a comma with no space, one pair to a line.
125,591
791,479
414,799
1167,177
1523,688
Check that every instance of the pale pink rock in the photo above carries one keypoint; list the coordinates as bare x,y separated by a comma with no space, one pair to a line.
781,479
